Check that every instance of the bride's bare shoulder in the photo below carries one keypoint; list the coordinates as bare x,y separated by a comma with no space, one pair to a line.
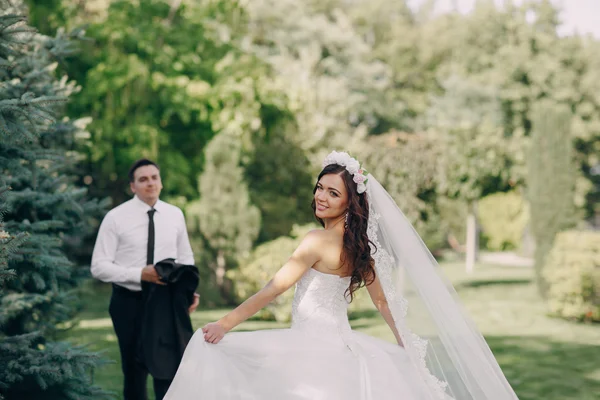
310,247
319,239
316,238
320,235
326,246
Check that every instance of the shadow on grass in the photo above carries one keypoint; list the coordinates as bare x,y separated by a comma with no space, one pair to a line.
491,282
542,369
358,314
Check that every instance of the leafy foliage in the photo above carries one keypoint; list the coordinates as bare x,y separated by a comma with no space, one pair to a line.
165,86
572,272
465,123
504,218
324,66
280,181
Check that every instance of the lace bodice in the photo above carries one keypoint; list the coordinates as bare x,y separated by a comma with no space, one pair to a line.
320,306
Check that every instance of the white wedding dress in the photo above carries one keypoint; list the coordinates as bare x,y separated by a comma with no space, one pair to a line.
318,358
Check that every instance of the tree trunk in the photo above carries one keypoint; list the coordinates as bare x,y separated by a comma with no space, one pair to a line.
472,238
221,266
225,285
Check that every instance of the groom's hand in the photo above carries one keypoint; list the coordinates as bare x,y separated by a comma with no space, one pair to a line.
195,303
149,274
213,332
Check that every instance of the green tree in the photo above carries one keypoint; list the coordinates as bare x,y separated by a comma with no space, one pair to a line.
324,66
164,86
38,160
551,179
280,180
474,156
223,215
409,43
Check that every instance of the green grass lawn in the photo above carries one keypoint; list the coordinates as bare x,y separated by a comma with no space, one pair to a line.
542,357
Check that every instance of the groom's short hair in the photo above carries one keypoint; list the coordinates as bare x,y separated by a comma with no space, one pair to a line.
140,163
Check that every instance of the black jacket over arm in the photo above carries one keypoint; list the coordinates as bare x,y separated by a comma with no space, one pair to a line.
166,327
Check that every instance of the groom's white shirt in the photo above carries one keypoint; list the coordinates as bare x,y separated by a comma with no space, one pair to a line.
120,251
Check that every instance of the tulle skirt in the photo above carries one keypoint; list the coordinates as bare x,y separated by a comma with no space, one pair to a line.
291,364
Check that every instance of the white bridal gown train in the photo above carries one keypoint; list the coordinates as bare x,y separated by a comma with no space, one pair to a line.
318,358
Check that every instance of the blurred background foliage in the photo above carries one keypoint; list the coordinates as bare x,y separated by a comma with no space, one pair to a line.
484,127
441,108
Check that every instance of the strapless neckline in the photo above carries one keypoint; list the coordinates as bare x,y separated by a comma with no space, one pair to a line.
332,275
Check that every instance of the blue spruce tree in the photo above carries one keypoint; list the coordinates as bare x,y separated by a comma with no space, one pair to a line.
44,216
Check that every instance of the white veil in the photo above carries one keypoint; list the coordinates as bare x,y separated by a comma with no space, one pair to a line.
450,355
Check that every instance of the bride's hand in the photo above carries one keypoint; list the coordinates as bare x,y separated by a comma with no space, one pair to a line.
213,332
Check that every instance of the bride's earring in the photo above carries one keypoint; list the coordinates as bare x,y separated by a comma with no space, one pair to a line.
346,221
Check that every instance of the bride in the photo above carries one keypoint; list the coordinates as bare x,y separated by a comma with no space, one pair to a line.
365,241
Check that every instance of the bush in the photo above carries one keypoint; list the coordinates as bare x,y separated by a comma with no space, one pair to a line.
503,217
264,261
572,272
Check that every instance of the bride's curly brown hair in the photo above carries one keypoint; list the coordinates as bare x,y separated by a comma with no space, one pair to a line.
356,251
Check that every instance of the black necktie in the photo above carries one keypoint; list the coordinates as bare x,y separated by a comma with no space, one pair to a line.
150,248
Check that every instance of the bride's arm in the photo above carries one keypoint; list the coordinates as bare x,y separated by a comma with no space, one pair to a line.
378,298
303,258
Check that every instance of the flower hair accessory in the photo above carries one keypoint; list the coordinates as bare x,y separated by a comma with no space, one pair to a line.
359,175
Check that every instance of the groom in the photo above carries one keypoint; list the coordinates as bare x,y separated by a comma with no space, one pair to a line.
132,237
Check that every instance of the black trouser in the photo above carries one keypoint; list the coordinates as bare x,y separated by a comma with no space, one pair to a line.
125,311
